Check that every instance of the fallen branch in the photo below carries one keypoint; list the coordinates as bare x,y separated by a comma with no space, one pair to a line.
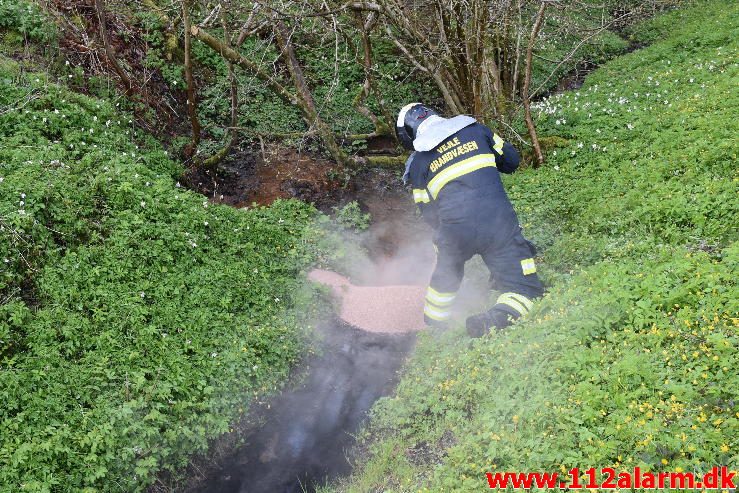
381,161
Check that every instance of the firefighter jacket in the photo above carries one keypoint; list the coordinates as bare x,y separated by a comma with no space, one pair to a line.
459,180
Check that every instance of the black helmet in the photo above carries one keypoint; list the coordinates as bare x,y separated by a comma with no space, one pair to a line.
409,119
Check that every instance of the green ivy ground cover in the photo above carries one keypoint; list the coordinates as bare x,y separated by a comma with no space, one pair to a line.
631,359
136,319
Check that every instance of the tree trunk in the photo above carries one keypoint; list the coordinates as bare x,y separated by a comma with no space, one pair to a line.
307,107
527,83
216,158
171,43
109,53
192,108
305,98
382,127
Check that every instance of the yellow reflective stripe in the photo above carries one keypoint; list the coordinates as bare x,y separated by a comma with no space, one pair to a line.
506,299
528,266
435,313
420,195
439,304
439,299
459,169
498,143
522,299
520,309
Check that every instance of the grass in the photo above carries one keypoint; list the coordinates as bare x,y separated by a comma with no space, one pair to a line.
630,360
137,320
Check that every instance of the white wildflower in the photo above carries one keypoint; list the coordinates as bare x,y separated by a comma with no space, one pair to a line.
143,204
142,294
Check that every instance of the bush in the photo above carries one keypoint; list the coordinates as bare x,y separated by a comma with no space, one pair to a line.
136,318
27,19
350,216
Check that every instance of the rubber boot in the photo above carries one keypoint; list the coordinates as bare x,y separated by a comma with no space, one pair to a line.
481,324
430,322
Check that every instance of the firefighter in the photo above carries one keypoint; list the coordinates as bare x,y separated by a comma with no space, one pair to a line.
454,172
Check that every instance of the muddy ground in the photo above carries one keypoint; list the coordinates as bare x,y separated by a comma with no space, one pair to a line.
305,434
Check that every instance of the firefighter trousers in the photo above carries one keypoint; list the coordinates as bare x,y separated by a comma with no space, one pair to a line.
509,257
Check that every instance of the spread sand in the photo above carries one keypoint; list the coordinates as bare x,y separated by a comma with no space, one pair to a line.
389,309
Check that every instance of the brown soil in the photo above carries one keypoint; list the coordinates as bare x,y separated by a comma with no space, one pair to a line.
285,173
253,176
157,108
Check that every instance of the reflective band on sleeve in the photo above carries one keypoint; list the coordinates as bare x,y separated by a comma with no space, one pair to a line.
459,169
518,302
498,143
436,313
439,299
420,196
528,266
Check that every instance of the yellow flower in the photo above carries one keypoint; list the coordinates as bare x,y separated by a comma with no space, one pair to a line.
665,461
724,448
